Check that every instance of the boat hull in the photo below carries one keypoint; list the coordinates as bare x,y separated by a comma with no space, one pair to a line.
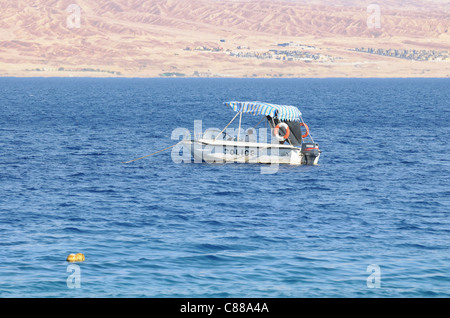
219,151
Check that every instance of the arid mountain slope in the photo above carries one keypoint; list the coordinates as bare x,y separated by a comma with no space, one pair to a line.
148,37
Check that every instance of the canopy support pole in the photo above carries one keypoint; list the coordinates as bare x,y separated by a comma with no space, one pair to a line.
226,126
239,129
259,122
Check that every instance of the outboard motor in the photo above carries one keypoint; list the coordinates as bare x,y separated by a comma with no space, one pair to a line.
311,153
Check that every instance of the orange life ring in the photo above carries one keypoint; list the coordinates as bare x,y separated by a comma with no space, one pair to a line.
285,127
307,130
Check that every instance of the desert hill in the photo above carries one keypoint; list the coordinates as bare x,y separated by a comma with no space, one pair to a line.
223,38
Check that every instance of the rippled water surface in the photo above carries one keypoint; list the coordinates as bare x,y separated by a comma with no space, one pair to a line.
154,228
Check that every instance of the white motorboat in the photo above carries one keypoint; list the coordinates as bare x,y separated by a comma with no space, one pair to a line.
290,139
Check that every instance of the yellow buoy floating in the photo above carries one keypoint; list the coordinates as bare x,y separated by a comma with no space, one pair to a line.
76,258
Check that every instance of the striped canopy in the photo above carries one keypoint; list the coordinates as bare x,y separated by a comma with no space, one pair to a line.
281,112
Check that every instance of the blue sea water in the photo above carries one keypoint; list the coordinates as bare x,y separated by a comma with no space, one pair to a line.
154,228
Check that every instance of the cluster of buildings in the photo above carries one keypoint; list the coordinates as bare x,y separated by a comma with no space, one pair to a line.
296,52
293,44
204,49
416,55
283,55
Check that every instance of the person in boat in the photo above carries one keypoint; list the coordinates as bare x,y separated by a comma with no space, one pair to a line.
295,135
250,136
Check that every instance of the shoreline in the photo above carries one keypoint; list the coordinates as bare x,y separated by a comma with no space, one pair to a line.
212,77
